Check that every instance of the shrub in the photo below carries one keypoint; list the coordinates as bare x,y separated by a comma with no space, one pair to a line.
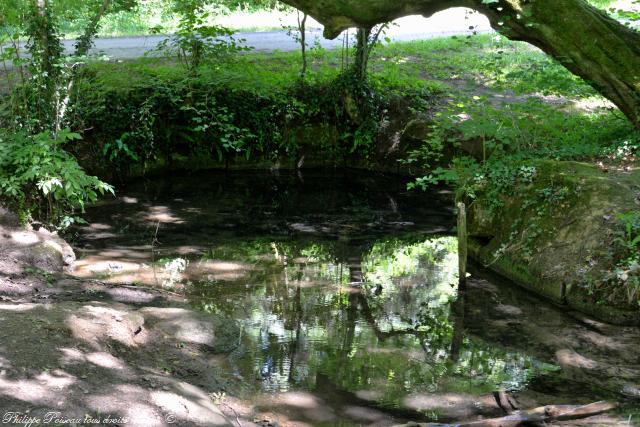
39,179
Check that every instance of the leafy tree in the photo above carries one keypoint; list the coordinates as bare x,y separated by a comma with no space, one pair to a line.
366,39
93,12
38,177
195,39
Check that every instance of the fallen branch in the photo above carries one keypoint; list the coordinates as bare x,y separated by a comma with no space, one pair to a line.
541,414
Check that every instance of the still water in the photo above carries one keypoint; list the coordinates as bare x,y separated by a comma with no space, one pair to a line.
344,289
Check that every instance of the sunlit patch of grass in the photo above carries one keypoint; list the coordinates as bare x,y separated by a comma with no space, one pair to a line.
488,60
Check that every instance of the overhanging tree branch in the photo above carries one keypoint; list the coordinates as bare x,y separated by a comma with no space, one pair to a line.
582,38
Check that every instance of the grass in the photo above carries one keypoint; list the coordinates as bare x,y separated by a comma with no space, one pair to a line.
482,63
488,61
511,92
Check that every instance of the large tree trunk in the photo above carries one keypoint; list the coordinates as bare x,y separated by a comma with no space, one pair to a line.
585,40
582,38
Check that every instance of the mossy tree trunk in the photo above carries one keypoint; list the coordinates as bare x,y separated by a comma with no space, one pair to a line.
585,40
46,49
582,38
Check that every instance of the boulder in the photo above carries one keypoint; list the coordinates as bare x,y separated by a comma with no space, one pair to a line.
556,235
27,247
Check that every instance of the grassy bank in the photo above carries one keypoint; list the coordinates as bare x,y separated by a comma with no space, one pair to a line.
455,108
479,96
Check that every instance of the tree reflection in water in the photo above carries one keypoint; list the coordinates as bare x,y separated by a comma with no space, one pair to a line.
339,294
383,319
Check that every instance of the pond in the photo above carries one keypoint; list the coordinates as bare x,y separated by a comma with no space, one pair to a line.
344,289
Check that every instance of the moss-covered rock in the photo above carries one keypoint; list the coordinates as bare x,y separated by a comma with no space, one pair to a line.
556,235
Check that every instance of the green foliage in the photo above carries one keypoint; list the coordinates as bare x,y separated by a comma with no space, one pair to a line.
38,178
630,236
124,17
630,14
627,270
143,113
493,151
393,259
492,146
481,146
93,15
145,17
196,40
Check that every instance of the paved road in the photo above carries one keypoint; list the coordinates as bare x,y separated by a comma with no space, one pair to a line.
455,21
135,47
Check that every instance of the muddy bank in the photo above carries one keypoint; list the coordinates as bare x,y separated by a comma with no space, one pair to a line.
74,351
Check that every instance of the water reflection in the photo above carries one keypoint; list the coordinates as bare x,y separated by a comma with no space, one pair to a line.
383,322
346,292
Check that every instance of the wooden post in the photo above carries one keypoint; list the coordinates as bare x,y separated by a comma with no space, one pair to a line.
462,243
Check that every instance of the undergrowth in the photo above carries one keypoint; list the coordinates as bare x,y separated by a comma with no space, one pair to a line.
144,112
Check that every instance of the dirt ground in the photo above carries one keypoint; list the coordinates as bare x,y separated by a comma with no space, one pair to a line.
75,352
